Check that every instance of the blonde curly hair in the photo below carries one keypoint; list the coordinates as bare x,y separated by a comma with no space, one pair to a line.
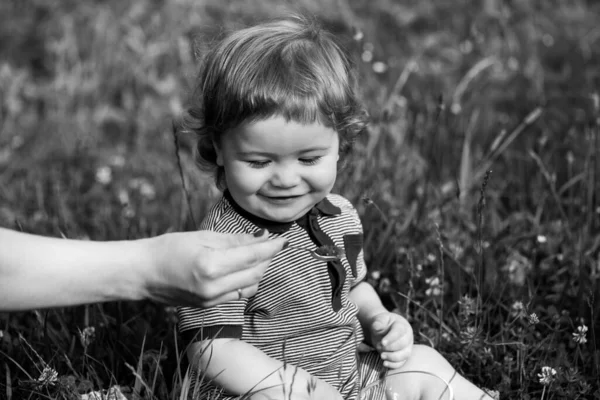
288,67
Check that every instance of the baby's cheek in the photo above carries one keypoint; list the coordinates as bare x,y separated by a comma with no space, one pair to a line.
325,178
248,180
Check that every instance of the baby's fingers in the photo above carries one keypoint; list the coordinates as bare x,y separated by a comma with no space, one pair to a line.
396,339
395,359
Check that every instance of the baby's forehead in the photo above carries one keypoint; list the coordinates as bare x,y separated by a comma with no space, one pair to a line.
278,136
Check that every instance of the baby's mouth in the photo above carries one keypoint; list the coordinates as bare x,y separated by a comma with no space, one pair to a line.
281,197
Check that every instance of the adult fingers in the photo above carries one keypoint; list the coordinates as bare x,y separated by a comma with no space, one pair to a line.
232,295
234,280
249,255
226,240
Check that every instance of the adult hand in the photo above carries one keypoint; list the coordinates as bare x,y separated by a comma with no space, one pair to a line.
392,337
203,268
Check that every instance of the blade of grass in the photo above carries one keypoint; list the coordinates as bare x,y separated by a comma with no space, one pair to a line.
551,186
461,88
137,386
8,383
181,175
466,163
139,382
177,355
17,364
410,66
489,160
157,369
525,123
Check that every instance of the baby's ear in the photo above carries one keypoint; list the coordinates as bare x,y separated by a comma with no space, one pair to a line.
219,152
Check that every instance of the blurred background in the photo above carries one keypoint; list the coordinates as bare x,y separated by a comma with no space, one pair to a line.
477,181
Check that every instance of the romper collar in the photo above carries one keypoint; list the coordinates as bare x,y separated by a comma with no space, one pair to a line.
324,207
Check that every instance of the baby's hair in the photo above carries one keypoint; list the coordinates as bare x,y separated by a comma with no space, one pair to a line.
288,67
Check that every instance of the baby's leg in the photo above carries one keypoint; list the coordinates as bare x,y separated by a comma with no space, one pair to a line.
420,386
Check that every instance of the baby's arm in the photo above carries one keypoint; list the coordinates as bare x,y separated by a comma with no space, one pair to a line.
388,332
240,368
369,305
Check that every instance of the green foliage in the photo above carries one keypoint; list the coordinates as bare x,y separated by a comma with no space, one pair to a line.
496,270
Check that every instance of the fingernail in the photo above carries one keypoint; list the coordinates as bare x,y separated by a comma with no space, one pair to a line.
259,233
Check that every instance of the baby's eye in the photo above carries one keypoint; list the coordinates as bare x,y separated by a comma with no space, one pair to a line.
310,160
258,163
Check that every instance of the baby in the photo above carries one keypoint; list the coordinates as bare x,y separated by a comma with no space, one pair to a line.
275,112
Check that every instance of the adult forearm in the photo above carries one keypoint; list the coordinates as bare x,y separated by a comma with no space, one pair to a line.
241,368
38,271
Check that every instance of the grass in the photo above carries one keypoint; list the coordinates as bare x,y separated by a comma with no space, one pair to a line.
498,270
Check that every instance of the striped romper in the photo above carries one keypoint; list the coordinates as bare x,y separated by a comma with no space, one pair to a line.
301,313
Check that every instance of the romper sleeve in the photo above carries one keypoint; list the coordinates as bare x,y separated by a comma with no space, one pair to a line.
222,321
353,244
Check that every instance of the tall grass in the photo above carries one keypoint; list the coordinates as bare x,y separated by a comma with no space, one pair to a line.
496,271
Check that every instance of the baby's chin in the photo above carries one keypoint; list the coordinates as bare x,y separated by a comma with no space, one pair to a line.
283,216
282,219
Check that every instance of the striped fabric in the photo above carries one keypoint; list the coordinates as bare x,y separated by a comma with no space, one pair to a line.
291,318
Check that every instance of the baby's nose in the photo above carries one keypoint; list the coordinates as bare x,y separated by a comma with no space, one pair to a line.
285,177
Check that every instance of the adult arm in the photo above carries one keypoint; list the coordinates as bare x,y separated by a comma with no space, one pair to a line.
240,368
188,268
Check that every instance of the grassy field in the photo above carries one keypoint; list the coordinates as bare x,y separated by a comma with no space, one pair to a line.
478,181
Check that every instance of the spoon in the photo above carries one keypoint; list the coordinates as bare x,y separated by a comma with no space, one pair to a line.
323,253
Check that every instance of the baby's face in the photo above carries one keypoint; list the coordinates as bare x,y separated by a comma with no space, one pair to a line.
279,170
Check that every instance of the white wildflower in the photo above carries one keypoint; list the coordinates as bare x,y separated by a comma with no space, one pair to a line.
379,67
542,239
468,335
547,39
114,393
547,376
457,250
123,197
533,319
367,56
513,64
385,285
466,47
580,336
435,286
517,309
467,305
147,190
48,377
117,160
87,336
104,175
518,267
358,35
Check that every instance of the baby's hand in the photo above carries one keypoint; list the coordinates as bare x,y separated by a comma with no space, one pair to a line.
392,336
